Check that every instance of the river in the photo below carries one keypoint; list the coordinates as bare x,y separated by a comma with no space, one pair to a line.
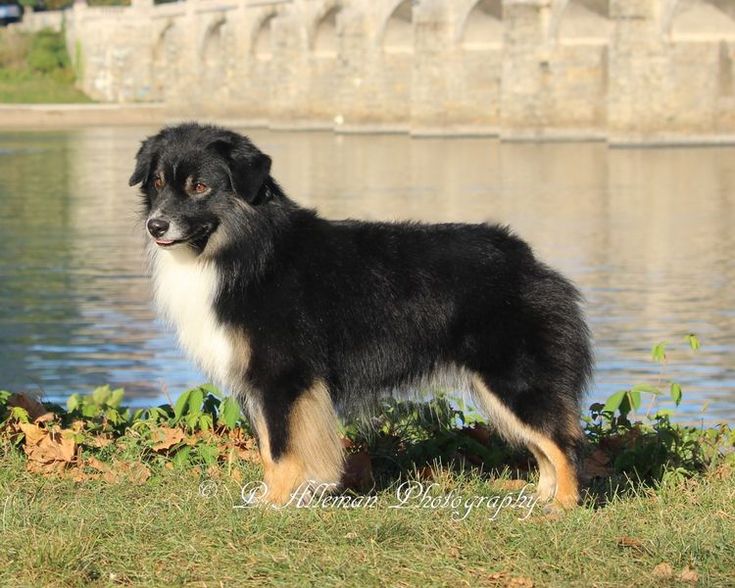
647,234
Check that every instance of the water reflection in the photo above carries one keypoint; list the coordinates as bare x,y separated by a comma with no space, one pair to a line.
645,233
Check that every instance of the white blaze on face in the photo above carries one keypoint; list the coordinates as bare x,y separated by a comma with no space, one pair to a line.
185,288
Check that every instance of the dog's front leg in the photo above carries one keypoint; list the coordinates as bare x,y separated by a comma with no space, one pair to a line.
298,441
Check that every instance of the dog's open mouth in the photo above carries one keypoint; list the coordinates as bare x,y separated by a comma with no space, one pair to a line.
198,239
167,242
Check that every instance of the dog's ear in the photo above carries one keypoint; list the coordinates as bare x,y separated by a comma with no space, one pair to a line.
144,161
248,167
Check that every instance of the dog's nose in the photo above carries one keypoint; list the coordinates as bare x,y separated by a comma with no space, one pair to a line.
158,227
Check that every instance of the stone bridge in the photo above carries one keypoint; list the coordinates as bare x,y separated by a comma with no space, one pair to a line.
621,70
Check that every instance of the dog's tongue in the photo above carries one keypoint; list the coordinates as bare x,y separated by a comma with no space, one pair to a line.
163,242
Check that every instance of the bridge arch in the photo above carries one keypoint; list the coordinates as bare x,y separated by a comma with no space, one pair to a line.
483,26
583,21
325,40
213,44
164,62
700,20
397,34
262,45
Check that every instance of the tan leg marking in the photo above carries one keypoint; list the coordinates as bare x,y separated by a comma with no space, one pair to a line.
567,489
282,478
314,451
558,479
314,437
547,475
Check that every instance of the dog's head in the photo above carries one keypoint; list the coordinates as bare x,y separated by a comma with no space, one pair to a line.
192,177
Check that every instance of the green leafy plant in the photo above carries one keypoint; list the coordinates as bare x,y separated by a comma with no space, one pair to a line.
653,448
624,402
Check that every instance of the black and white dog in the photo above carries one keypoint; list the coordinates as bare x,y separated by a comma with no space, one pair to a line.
303,317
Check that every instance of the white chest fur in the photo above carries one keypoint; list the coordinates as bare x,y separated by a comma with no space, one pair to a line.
184,290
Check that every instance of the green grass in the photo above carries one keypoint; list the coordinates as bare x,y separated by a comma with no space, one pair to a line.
35,68
56,532
28,87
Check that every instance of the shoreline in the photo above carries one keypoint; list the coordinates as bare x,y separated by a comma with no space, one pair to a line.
37,117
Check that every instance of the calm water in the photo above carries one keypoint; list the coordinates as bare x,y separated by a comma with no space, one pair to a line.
647,235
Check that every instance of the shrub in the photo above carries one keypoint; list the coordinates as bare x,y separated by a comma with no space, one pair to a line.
47,52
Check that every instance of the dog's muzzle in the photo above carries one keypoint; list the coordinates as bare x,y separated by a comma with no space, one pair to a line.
167,234
160,228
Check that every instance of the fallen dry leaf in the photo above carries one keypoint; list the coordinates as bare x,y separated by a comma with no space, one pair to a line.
479,433
126,471
358,472
112,473
99,442
236,475
597,465
34,434
689,575
79,475
722,472
45,418
165,438
549,516
245,447
615,443
45,469
78,425
249,454
509,485
630,543
505,580
137,473
45,446
96,464
663,571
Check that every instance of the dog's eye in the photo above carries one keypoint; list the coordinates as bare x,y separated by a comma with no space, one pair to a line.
158,183
200,188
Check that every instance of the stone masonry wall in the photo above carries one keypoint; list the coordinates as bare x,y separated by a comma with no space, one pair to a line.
625,70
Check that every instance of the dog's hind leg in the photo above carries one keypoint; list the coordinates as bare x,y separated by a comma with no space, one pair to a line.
547,474
553,452
299,445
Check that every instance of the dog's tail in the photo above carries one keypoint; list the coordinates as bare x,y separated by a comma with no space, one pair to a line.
567,359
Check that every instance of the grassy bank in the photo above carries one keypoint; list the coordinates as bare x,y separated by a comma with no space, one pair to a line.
35,69
164,532
24,87
95,494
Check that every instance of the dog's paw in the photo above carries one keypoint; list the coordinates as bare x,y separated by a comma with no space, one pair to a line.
260,495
